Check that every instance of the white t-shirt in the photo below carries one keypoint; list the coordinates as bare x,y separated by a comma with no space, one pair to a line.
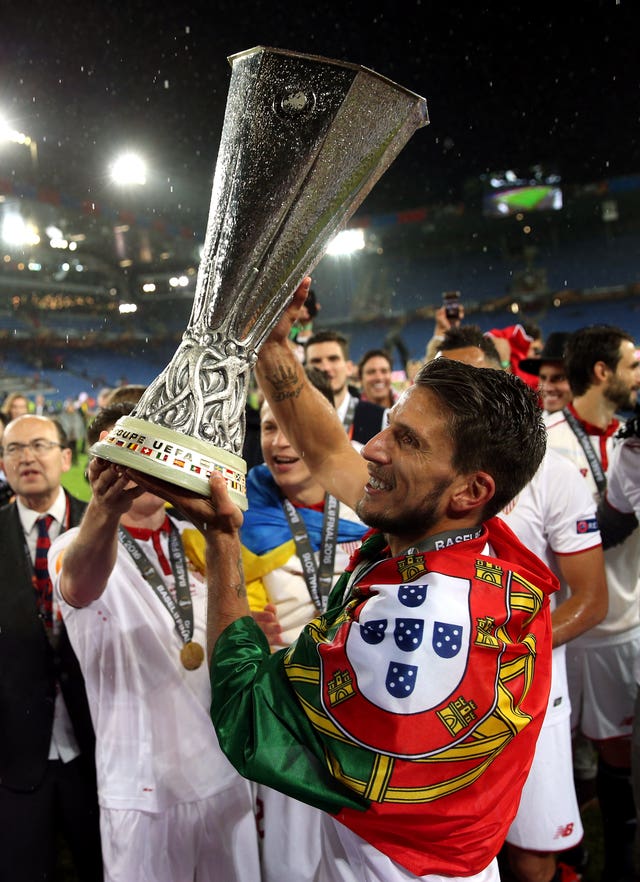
621,562
623,489
555,514
623,479
346,857
156,745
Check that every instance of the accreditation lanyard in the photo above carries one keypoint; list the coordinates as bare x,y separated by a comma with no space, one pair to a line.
182,610
351,412
435,542
585,442
318,576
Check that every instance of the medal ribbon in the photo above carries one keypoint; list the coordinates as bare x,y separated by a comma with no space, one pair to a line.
181,611
317,576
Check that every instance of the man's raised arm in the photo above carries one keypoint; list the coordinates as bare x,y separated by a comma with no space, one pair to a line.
308,420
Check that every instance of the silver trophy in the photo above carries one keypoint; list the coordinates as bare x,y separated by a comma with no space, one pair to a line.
304,140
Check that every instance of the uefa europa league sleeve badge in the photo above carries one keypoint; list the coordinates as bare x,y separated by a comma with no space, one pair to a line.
303,142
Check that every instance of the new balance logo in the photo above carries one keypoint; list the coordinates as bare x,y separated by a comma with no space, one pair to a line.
562,832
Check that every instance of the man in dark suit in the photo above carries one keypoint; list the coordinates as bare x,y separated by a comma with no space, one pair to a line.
329,352
47,772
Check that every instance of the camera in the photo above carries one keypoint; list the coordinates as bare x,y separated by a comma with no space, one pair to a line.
451,303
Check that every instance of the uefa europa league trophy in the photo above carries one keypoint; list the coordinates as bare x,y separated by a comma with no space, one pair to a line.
304,140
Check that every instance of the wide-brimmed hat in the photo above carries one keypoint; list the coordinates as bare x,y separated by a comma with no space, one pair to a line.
553,350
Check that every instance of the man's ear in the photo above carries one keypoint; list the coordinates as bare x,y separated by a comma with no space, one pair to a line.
473,493
600,372
66,459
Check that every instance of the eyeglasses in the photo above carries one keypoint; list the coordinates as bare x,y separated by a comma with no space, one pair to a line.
40,447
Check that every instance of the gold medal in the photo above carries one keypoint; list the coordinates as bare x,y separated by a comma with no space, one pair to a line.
191,655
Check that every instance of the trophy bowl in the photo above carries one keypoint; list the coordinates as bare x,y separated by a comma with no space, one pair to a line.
304,140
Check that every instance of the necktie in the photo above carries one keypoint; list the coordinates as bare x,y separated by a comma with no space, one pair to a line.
44,589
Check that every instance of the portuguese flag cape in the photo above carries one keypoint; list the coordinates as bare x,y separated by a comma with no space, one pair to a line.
411,708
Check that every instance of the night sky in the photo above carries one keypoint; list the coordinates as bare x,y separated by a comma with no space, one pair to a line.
508,85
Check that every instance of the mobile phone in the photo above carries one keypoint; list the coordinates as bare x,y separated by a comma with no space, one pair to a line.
451,303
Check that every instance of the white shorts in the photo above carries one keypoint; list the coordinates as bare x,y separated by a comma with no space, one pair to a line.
346,857
602,688
208,840
548,816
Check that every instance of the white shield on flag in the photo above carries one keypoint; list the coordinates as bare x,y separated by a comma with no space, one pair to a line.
409,657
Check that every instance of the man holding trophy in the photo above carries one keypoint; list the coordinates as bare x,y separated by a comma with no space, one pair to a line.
408,710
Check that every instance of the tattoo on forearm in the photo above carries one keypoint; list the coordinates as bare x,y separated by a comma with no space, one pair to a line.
240,587
286,383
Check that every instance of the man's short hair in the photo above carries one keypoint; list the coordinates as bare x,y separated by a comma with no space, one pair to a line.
106,418
63,439
532,330
132,392
588,345
312,304
463,336
321,381
329,337
495,423
373,353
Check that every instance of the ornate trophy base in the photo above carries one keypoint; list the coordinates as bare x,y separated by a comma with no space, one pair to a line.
172,456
